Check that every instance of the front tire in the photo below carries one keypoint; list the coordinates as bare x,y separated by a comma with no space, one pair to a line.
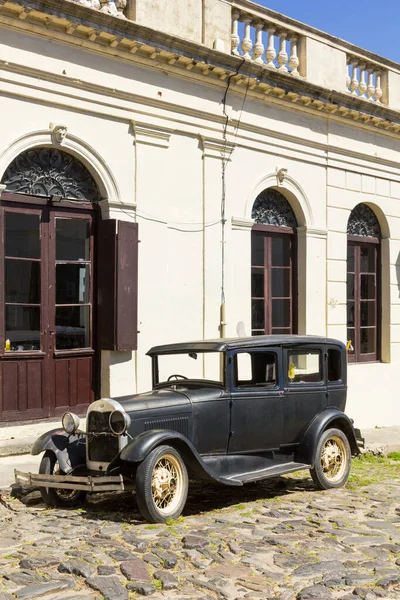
54,496
332,460
162,485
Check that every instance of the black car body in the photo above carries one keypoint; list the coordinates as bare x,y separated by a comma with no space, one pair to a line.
272,405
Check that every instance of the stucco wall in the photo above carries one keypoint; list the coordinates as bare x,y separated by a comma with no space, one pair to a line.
159,139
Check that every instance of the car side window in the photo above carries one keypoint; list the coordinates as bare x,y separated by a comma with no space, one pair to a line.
255,369
304,366
334,365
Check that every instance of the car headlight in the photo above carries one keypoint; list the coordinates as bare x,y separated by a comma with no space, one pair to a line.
70,422
119,422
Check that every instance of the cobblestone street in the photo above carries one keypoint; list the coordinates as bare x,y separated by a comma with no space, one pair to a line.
276,539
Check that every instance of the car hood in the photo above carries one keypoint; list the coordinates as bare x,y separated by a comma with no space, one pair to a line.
169,398
154,400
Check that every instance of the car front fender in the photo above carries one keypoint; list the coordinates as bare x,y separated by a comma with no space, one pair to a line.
137,450
328,419
70,450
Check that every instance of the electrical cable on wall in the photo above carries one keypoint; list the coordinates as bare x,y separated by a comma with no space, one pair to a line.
225,161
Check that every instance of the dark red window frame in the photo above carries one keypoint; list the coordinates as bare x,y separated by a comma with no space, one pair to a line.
363,298
268,299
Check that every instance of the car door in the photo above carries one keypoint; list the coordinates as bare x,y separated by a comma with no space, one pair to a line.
257,395
305,389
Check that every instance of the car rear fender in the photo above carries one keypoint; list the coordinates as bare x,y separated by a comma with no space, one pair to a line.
70,450
137,450
329,419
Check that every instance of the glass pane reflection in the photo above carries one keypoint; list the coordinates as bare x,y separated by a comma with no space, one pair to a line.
22,235
72,239
72,327
22,281
367,343
23,327
72,284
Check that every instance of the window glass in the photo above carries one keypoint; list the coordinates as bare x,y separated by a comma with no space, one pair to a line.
281,251
72,327
257,250
255,369
72,239
257,283
334,365
23,327
280,283
304,366
362,300
72,283
22,235
22,281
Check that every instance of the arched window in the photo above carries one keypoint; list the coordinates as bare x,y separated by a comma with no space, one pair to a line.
50,172
363,284
273,265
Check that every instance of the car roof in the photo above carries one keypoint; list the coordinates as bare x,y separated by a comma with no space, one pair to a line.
222,344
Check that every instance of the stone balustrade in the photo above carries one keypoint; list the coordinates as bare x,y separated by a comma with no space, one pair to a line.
267,38
263,41
112,7
365,79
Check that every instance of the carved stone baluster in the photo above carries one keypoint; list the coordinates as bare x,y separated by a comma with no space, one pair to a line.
362,86
282,56
348,78
235,39
294,59
370,86
270,54
121,5
258,50
378,90
247,43
354,79
105,6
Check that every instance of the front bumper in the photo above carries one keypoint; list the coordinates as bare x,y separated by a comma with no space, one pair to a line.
86,483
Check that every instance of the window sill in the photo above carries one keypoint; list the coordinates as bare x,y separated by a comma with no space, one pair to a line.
20,354
77,352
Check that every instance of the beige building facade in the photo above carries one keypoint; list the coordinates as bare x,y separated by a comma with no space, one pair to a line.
257,158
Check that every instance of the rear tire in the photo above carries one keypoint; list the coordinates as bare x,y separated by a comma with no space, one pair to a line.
332,460
162,485
54,496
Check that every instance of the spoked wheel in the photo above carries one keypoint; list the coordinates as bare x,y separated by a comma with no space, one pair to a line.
332,460
161,485
54,496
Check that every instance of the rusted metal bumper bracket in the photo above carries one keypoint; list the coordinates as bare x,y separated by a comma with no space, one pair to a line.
70,482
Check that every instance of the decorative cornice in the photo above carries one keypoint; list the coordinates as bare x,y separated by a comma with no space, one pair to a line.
242,224
214,148
151,135
93,30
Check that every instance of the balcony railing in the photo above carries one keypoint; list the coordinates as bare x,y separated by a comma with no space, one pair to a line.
272,40
112,7
265,42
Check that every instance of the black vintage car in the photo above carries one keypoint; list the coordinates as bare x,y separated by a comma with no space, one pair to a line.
238,410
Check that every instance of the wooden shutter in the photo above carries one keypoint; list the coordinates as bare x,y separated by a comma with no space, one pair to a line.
117,271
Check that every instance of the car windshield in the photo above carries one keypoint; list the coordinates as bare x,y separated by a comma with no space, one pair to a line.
192,366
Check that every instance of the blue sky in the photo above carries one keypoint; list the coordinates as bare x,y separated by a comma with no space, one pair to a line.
374,26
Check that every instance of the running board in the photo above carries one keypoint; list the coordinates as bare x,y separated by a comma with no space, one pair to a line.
273,471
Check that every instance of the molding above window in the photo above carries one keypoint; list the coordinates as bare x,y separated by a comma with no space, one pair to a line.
313,232
242,224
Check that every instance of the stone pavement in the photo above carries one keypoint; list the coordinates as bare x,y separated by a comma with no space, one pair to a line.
278,539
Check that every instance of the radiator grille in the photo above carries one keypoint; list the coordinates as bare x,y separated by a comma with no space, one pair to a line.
101,448
180,424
